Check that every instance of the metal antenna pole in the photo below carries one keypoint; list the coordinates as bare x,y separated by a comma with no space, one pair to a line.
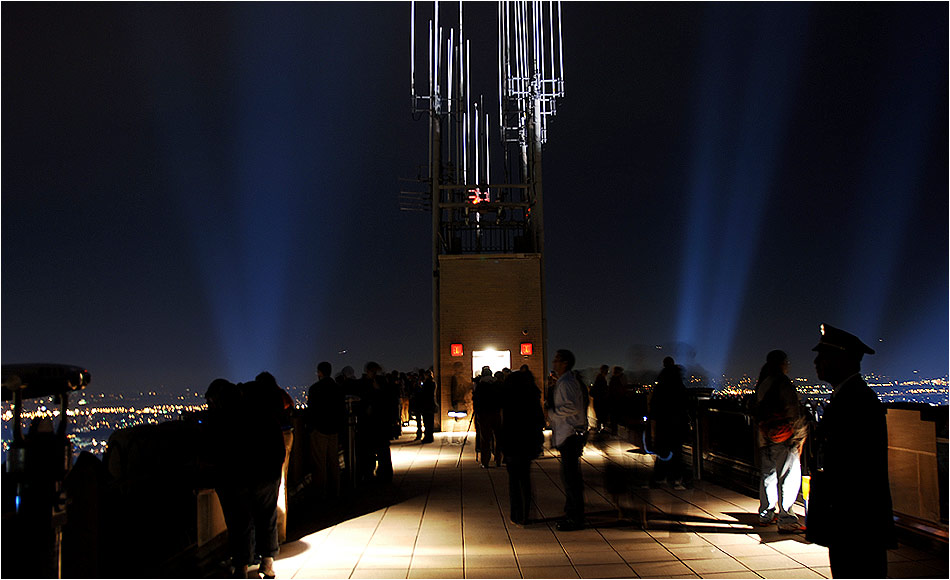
530,80
435,184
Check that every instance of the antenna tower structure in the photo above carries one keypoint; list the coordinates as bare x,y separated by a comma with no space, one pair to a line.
484,172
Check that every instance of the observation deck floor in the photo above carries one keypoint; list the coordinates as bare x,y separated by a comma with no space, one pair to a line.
444,516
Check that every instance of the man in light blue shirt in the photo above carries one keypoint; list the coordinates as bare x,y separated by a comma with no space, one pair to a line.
567,414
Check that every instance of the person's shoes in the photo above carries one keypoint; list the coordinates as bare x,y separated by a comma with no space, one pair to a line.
428,439
484,465
790,528
767,519
267,568
678,486
568,525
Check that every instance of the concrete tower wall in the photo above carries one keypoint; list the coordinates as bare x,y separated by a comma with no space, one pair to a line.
488,301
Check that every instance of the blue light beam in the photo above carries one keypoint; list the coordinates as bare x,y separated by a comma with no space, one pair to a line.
735,155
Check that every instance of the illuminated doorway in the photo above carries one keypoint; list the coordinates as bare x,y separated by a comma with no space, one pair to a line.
493,359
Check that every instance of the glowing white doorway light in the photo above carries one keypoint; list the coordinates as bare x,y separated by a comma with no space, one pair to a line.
493,359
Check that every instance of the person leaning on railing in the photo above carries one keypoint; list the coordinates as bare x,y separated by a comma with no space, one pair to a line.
779,438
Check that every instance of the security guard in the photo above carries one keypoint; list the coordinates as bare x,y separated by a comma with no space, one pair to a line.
854,515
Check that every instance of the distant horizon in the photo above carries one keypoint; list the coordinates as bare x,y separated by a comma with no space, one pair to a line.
164,390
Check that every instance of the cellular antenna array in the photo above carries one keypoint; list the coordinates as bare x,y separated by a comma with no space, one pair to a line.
484,187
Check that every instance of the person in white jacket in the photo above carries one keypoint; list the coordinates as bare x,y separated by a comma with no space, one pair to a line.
567,414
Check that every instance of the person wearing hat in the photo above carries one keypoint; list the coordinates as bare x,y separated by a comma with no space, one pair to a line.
856,520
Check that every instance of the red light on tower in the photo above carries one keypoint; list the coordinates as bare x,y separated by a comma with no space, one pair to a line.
526,349
456,349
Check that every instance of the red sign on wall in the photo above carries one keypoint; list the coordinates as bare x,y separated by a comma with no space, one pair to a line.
526,348
456,349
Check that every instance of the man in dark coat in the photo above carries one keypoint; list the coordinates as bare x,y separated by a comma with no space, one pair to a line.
426,405
522,436
227,452
326,417
377,463
852,437
616,391
668,410
598,395
487,401
264,406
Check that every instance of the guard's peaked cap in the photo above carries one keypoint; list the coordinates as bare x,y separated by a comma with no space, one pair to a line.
835,339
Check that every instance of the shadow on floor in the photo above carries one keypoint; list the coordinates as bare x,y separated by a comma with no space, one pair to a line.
308,514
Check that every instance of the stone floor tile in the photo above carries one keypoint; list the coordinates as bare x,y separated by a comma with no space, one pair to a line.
384,562
595,557
772,562
756,549
790,573
725,538
546,547
491,561
548,572
663,569
797,547
747,574
318,572
651,554
512,572
695,552
379,573
604,571
624,534
549,559
679,539
811,560
498,549
710,565
436,561
436,573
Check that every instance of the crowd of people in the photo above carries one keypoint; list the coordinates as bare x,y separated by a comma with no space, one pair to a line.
246,443
250,438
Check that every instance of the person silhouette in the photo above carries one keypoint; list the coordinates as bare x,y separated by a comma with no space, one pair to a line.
522,430
779,439
567,414
857,523
668,411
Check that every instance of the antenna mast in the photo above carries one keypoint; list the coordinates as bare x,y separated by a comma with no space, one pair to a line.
476,210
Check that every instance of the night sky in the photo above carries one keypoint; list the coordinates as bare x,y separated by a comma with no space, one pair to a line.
200,190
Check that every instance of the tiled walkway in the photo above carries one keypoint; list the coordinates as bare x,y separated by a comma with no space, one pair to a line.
450,521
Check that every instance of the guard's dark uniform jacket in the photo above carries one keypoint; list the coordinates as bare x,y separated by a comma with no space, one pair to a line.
852,439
